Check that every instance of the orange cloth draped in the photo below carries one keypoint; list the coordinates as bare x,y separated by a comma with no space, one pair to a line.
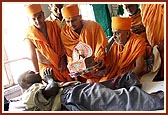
153,20
51,51
124,60
136,21
91,34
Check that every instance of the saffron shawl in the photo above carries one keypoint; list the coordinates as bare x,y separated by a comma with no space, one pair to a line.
52,50
122,61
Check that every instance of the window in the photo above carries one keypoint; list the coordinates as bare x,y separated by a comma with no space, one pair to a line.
87,12
14,51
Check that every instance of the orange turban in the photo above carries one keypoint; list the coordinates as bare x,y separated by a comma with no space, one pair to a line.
121,23
32,9
70,11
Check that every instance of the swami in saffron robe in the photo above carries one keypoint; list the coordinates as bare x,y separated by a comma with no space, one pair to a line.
123,59
153,20
52,50
91,34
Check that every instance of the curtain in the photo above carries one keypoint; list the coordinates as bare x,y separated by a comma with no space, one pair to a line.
102,16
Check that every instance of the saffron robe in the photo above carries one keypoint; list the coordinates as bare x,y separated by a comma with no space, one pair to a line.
91,34
153,20
52,50
137,21
123,60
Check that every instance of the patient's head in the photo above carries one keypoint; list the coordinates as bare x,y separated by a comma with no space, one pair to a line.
28,78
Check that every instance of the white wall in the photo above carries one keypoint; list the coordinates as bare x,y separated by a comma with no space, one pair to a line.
45,9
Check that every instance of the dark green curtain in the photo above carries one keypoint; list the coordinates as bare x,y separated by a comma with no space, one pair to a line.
102,16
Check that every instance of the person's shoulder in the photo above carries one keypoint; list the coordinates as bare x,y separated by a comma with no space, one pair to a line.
37,86
49,23
29,30
65,28
137,37
91,23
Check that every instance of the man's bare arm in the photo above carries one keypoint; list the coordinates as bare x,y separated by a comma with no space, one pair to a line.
139,67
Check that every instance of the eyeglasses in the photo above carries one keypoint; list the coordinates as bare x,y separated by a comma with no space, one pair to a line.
117,40
116,33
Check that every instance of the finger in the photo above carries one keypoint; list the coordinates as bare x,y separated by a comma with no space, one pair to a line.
51,71
48,71
44,71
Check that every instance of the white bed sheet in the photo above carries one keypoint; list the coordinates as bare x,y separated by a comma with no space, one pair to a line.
151,86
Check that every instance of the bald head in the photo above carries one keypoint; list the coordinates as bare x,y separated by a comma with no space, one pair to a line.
28,78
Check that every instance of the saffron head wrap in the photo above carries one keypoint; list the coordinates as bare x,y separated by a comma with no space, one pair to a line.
70,11
32,9
121,23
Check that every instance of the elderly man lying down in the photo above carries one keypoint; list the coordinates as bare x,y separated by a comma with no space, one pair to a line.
77,96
